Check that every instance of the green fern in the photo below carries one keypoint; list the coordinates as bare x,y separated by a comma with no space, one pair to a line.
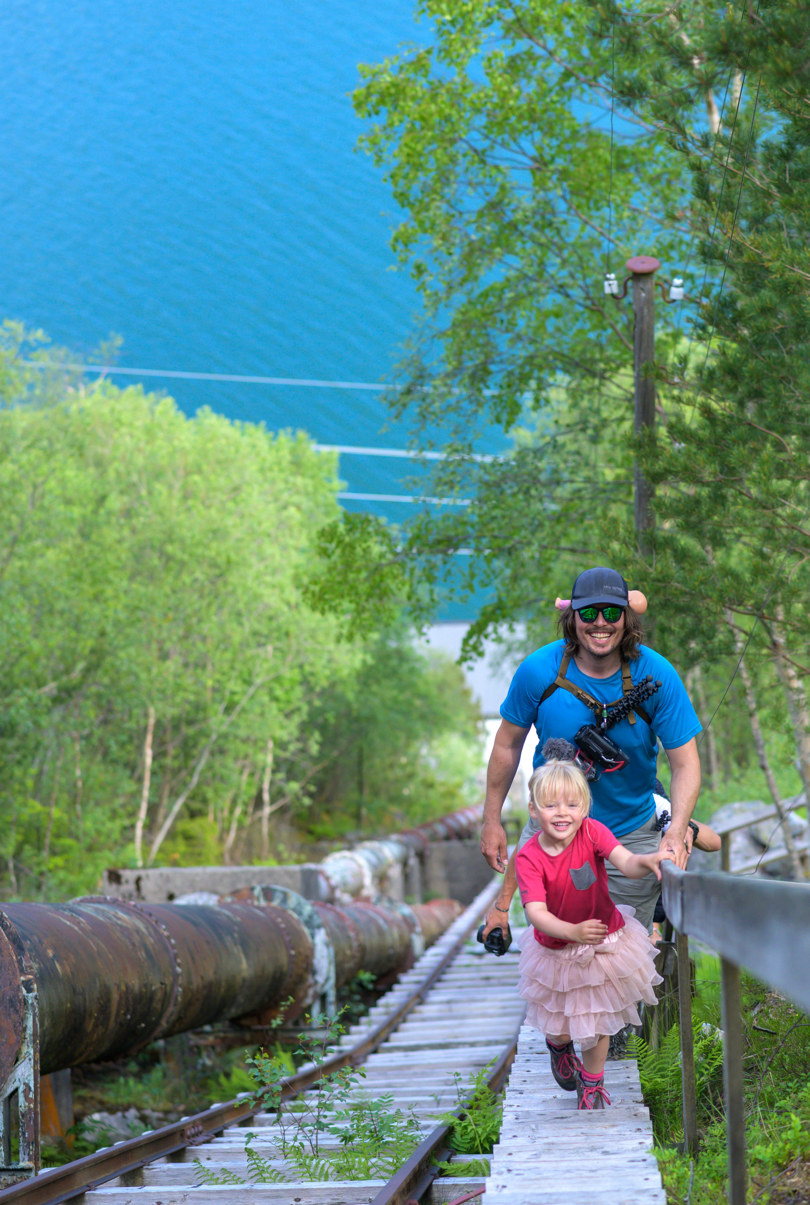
476,1130
207,1175
659,1071
260,1170
309,1166
375,1139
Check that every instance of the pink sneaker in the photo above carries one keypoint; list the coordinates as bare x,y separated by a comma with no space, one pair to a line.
565,1066
591,1096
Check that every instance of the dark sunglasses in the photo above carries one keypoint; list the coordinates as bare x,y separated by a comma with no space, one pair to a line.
609,614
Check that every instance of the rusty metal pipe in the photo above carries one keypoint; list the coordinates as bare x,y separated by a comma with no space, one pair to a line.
359,871
112,976
366,938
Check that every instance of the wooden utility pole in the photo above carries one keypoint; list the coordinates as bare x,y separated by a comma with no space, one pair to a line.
642,269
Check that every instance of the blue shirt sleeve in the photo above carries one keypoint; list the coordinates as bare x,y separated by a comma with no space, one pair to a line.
531,678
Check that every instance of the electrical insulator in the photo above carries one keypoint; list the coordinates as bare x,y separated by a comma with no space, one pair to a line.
676,289
612,286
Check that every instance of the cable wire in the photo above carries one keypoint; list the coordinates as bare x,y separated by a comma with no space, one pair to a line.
228,377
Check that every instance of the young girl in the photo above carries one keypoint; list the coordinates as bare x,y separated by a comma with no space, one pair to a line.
585,963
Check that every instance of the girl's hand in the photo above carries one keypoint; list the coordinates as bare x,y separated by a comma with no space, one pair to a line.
590,932
651,861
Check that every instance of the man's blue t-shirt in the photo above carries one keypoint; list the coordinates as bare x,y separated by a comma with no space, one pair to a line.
623,799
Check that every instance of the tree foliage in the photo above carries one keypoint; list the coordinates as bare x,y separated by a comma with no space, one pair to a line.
529,142
497,139
163,675
523,177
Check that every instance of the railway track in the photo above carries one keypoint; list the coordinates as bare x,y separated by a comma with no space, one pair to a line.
453,1014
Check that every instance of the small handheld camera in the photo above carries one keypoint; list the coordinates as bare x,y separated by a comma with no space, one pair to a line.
597,753
495,942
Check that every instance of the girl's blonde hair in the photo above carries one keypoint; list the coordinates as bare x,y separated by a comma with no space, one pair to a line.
560,779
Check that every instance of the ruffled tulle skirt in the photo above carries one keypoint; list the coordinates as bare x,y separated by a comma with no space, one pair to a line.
588,991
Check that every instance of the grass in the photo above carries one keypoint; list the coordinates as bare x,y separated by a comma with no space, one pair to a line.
177,1077
777,1098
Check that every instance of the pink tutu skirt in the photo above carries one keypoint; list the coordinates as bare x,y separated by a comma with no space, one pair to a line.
588,991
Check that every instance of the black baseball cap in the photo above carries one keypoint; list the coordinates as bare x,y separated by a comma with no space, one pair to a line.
599,587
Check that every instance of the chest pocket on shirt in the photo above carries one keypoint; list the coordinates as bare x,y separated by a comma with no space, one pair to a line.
582,876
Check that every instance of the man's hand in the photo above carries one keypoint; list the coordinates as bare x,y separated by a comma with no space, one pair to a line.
493,845
498,913
590,932
677,846
496,918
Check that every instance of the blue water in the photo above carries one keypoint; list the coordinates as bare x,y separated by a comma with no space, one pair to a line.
185,177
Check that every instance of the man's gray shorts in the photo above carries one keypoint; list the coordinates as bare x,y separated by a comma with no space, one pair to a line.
641,894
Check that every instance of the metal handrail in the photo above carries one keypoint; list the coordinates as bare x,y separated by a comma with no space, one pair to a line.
726,828
752,923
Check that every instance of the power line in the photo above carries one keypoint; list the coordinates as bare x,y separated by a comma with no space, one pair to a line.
407,453
405,498
226,377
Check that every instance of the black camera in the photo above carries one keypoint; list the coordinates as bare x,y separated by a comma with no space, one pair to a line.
596,752
495,942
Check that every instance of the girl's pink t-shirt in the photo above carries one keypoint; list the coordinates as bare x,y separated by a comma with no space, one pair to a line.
574,884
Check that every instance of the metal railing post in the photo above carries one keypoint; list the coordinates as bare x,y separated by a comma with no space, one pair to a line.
733,1081
688,1086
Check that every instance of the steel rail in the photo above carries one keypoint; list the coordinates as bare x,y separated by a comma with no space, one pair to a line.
415,1177
82,1175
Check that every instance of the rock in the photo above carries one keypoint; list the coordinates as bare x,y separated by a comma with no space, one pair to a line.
197,898
735,812
702,861
769,832
112,1127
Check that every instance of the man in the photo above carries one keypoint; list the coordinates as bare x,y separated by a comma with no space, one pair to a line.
566,685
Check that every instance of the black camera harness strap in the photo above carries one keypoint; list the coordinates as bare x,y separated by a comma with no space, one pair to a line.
601,710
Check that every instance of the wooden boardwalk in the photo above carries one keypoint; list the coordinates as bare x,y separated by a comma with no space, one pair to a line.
551,1154
548,1153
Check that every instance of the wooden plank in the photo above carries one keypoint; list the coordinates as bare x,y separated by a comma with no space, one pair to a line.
333,1192
550,1152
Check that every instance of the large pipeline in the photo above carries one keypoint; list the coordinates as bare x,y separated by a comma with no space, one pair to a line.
109,976
100,978
112,976
358,872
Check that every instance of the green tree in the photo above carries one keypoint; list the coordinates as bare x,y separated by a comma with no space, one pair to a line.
404,736
523,176
512,191
496,140
158,658
732,472
168,690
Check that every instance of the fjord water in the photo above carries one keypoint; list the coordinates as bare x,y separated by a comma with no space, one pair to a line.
185,177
